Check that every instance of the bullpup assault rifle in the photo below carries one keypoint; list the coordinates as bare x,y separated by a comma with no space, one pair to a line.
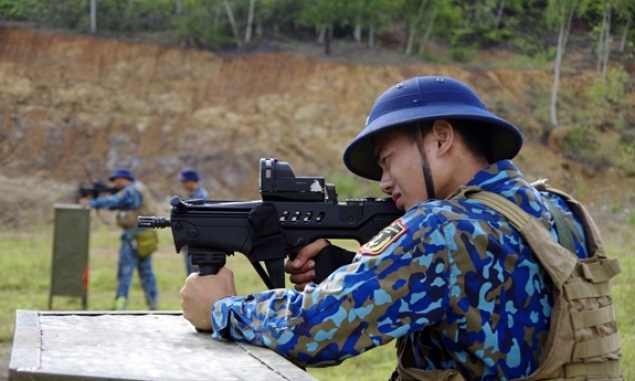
294,212
95,190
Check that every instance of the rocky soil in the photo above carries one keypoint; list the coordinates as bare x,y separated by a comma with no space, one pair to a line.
73,108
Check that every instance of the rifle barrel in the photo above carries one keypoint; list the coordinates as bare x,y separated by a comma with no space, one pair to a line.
153,222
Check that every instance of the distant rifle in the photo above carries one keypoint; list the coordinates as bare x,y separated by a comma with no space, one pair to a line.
96,190
306,208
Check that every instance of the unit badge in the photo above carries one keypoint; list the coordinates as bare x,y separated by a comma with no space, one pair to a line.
384,239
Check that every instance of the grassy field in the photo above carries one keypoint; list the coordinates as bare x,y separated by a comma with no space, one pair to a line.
25,278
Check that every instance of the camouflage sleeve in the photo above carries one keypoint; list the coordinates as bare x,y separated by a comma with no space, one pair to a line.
199,192
127,198
396,285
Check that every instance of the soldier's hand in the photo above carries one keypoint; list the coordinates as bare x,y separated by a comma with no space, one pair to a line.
84,201
302,267
201,292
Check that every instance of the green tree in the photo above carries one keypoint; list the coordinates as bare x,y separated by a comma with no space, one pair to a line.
559,15
443,19
370,14
413,11
604,38
277,15
626,12
20,10
324,15
202,24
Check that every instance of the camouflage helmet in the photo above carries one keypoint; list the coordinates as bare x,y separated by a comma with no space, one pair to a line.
425,99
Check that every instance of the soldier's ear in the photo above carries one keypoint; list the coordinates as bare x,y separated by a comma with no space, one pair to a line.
443,134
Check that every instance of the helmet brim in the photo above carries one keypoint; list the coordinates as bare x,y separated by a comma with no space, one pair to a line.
359,157
120,177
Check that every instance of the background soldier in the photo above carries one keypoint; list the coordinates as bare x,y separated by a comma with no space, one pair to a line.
131,201
189,179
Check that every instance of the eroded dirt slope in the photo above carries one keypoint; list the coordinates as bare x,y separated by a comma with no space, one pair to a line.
73,108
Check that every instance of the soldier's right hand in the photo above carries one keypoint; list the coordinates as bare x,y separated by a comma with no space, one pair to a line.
302,268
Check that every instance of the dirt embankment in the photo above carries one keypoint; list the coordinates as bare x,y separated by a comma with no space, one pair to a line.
73,108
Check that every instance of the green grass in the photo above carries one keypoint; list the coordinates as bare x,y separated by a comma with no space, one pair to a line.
25,274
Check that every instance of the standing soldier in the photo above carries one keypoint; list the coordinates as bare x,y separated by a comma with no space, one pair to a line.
132,200
189,179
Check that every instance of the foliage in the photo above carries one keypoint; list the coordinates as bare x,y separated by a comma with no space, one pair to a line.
205,23
601,112
624,157
349,186
463,54
610,93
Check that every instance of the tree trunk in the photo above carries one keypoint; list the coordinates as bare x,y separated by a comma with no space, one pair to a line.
426,36
623,43
321,35
499,14
357,32
607,44
598,63
216,20
93,16
250,21
413,27
230,15
563,35
556,77
259,28
327,42
371,36
179,7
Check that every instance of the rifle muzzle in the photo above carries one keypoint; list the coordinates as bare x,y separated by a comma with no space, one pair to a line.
153,222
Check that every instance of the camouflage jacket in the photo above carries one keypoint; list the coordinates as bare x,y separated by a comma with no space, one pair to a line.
418,277
199,192
128,198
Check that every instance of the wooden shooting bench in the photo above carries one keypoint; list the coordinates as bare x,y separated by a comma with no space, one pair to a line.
144,345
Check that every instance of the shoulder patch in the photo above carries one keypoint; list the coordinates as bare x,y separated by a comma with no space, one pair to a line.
384,239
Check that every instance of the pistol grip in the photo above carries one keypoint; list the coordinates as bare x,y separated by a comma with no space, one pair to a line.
207,269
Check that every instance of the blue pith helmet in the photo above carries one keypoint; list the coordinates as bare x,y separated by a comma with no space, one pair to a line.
189,174
121,172
425,99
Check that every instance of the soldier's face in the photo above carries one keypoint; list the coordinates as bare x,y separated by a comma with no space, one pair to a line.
402,175
121,182
189,185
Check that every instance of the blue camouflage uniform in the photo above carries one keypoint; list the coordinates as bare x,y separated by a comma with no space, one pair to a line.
199,192
130,199
443,260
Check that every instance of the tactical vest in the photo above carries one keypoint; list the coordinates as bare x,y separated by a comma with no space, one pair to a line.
127,219
583,343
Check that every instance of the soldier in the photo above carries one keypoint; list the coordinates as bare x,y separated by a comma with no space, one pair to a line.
189,179
132,200
471,290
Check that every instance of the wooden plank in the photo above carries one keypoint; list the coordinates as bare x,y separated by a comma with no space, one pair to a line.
135,346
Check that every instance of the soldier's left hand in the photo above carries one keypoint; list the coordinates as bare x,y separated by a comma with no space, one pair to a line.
84,201
201,292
